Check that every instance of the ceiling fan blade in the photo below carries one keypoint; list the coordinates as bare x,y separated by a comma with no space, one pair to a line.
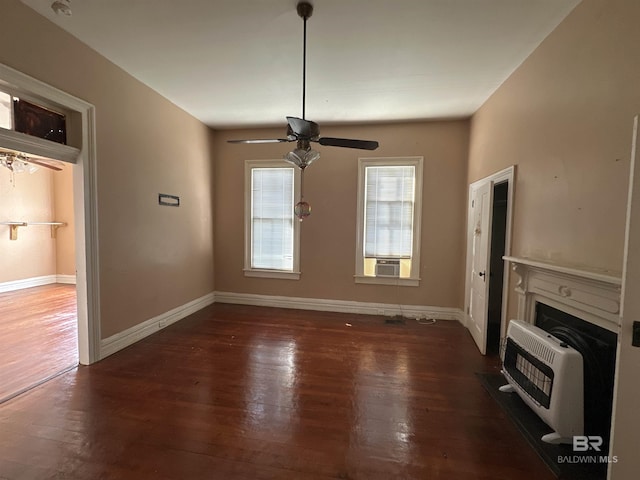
348,143
302,128
42,163
261,140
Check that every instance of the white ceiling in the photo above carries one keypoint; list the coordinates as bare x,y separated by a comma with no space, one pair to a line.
237,63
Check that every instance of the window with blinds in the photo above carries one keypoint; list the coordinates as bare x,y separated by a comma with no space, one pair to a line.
272,219
389,220
389,203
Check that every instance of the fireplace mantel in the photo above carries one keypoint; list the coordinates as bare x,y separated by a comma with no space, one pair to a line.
591,295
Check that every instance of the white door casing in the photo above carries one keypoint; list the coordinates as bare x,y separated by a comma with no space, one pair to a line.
504,176
84,194
625,422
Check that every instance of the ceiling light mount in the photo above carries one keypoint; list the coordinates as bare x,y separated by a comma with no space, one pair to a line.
305,10
62,7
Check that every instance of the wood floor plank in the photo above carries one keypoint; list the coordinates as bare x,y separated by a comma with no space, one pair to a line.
237,392
38,336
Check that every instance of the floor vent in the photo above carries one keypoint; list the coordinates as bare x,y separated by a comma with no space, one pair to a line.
397,320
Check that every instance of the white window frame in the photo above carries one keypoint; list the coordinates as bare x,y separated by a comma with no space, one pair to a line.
414,278
294,274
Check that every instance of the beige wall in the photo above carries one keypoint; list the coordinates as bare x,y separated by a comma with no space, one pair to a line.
29,198
328,236
63,212
565,119
152,258
43,196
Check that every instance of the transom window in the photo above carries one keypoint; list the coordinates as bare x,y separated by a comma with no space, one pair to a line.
32,118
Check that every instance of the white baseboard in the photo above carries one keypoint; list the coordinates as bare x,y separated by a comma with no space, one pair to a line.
345,306
36,282
27,283
114,343
68,279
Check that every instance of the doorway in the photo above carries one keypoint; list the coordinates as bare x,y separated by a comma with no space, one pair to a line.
496,266
81,152
38,313
487,275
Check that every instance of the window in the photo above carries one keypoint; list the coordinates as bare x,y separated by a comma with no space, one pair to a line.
389,219
272,232
32,118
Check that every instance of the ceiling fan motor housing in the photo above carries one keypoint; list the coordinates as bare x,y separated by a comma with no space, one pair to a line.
305,9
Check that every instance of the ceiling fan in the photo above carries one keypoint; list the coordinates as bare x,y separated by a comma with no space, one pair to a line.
305,131
19,162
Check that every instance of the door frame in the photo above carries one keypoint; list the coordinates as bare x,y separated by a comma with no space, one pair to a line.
626,395
507,175
84,199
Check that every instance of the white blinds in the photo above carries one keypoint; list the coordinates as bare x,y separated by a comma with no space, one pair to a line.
389,197
272,218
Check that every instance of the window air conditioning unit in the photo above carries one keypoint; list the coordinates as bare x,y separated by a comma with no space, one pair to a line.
386,267
547,374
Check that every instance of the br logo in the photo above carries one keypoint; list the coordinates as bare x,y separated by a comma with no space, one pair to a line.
583,443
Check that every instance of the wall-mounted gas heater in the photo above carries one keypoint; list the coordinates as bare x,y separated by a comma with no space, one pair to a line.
548,375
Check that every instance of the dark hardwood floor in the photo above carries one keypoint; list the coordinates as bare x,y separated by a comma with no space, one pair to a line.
236,392
38,336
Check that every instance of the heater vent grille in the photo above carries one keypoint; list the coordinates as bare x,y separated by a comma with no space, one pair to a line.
538,349
533,376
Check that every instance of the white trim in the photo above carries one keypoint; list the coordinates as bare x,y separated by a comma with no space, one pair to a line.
82,134
401,282
27,283
506,175
363,162
277,274
626,396
67,279
21,142
85,191
263,273
117,342
344,306
597,275
587,294
36,282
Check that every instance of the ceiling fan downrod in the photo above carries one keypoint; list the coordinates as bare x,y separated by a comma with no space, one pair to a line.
305,10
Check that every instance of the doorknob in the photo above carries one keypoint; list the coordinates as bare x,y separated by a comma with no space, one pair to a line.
482,274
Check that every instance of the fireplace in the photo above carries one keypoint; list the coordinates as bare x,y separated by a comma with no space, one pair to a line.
597,346
582,308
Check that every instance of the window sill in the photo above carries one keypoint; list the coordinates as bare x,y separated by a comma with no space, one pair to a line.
272,274
402,282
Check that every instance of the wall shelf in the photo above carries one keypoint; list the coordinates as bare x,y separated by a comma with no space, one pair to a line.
13,227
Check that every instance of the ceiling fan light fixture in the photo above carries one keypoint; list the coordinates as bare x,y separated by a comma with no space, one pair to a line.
16,164
302,158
